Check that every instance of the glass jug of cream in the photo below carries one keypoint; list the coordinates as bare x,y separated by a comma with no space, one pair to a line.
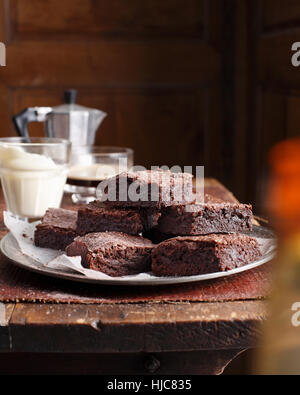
33,174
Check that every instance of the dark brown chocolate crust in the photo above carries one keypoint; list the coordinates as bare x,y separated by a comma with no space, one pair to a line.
97,217
153,188
113,253
191,255
211,216
57,230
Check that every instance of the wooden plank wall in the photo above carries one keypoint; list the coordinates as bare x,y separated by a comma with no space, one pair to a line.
153,66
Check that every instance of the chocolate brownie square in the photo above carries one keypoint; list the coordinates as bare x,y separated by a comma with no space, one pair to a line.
113,253
57,229
98,217
147,188
211,216
191,255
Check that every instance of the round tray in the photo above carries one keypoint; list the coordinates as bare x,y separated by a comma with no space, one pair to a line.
11,250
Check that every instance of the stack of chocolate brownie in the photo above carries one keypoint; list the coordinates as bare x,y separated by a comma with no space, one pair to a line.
153,223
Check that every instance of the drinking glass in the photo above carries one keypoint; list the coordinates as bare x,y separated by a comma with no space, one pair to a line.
92,164
33,174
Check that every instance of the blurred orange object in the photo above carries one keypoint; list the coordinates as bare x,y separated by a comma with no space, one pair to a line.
280,351
283,200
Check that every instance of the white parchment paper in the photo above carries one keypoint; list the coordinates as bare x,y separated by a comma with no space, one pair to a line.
23,232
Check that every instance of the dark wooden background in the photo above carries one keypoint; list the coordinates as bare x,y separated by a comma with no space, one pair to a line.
187,82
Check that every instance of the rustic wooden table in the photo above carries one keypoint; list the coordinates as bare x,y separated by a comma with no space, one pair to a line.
127,338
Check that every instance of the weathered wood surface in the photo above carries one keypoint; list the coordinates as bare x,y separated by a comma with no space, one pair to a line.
24,286
131,328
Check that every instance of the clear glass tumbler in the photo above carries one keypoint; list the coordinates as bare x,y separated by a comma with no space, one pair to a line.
93,164
33,174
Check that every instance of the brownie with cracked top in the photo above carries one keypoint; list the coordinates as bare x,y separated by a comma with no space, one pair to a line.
148,188
210,216
98,217
192,255
57,229
113,253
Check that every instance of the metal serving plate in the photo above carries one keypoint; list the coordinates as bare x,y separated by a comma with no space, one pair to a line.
11,250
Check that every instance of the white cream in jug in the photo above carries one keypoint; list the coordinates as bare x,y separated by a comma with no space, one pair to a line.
31,182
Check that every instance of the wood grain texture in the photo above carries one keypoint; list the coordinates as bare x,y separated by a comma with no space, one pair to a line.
109,63
267,87
114,16
21,285
135,328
